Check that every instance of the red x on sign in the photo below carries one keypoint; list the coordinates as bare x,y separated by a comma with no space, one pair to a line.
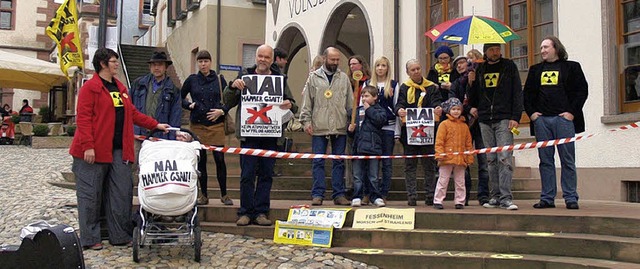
262,114
418,131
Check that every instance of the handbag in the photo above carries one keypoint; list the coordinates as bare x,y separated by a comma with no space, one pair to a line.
229,121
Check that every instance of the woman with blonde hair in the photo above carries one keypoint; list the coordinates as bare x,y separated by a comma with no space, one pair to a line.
387,97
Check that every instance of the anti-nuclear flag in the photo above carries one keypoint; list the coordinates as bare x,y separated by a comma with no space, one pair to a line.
63,29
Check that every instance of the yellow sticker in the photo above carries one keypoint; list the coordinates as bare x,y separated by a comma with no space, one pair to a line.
491,80
357,75
328,93
368,251
444,78
549,78
541,234
452,38
117,100
506,33
507,256
435,32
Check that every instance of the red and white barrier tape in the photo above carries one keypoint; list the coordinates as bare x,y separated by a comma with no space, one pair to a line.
294,155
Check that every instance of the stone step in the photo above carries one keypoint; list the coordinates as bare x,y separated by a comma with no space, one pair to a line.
594,217
430,258
397,183
612,248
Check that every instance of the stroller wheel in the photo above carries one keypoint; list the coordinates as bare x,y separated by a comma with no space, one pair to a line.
136,243
197,243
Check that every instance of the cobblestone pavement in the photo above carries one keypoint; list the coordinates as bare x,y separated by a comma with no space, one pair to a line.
26,197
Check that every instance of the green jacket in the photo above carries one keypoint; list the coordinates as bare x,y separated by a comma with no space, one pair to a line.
327,105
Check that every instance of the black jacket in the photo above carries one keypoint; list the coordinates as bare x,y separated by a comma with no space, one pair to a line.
573,83
207,94
368,134
506,101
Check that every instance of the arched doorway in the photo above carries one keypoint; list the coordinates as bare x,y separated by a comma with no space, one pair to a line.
294,42
349,30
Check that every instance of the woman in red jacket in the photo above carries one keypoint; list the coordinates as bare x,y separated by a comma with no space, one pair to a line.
102,151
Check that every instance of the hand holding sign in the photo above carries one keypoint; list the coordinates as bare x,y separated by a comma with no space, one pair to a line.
238,84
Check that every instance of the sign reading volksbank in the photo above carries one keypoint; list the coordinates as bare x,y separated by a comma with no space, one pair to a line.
297,7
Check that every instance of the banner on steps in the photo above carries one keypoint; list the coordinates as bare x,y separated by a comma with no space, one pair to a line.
297,234
304,215
387,218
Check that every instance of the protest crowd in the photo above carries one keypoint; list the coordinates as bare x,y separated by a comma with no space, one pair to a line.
465,102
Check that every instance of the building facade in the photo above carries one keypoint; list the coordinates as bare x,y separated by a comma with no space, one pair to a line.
607,46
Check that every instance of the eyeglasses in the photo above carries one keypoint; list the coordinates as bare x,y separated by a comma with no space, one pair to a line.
444,58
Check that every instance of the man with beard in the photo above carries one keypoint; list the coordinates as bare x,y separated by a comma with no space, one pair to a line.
327,104
495,98
255,198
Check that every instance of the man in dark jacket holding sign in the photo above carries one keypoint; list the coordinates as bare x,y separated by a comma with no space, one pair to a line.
255,198
554,94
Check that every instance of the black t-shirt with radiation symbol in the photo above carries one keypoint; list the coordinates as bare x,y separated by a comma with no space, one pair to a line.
552,99
119,108
491,78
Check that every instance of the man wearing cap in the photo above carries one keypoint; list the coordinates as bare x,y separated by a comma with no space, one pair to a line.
155,95
442,73
554,95
495,98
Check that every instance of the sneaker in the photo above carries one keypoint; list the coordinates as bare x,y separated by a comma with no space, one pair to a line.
243,220
341,201
412,201
508,205
365,200
202,200
543,204
97,246
493,203
379,202
356,202
483,200
573,205
226,200
262,220
459,206
438,206
316,201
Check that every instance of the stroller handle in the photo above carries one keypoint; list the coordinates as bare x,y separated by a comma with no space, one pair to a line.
175,129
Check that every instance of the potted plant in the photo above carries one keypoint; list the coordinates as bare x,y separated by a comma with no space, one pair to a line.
41,130
15,119
71,130
45,113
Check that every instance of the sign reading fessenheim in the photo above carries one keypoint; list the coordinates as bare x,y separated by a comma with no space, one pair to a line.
388,218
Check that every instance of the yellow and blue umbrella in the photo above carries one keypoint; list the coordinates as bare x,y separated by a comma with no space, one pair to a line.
472,30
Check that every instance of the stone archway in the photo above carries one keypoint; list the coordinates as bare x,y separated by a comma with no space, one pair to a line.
294,41
348,28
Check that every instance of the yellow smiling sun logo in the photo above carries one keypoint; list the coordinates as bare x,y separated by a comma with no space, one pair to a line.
328,94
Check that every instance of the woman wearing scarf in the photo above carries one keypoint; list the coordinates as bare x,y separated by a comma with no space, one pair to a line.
443,72
417,92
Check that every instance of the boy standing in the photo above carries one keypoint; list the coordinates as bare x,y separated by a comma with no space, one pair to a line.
367,132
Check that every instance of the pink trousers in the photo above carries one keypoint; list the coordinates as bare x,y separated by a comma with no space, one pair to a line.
443,182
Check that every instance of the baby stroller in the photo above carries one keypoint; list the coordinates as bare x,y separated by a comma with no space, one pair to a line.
167,191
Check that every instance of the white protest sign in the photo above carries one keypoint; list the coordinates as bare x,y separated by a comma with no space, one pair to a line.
420,126
261,98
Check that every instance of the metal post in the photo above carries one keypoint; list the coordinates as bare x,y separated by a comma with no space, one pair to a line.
102,26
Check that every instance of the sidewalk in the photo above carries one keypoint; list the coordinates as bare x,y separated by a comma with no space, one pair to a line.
26,197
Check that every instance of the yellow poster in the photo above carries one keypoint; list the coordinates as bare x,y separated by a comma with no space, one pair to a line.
295,234
63,29
387,218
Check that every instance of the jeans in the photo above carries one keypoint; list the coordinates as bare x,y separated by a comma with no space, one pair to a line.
549,128
483,171
365,171
411,165
500,164
319,145
388,141
255,198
